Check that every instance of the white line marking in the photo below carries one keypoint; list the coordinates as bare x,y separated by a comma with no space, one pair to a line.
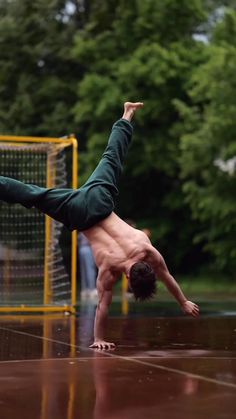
18,361
181,372
42,338
105,358
134,360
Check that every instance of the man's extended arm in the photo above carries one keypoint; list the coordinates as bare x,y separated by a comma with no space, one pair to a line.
104,301
164,275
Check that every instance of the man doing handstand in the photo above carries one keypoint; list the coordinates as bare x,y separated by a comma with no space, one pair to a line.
117,247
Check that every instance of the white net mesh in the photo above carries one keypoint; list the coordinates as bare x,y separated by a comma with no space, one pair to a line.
22,232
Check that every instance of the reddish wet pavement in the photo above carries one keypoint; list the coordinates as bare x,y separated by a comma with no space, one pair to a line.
163,367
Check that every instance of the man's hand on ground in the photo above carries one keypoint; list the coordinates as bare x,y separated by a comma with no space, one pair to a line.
190,308
102,344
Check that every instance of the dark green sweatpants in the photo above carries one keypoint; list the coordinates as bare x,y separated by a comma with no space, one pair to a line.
82,208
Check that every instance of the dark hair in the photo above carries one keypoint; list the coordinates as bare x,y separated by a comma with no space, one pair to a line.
142,281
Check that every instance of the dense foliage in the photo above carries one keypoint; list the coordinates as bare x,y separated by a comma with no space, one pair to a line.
37,72
208,146
68,66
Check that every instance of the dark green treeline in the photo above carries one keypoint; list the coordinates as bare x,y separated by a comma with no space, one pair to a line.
67,66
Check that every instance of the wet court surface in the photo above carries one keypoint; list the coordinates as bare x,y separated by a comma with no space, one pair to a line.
165,366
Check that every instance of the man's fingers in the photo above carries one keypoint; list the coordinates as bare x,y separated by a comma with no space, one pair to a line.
94,345
112,346
103,345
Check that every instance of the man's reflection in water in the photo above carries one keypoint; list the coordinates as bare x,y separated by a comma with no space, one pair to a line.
103,405
86,322
132,391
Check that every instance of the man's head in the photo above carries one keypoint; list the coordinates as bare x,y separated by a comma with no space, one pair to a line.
142,281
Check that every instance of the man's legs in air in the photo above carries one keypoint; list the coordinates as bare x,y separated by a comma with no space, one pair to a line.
102,185
82,208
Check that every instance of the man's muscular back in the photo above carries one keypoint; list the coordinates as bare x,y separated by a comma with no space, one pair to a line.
116,245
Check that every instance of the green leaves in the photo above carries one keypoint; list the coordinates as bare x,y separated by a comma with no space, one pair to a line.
69,66
37,74
208,143
141,51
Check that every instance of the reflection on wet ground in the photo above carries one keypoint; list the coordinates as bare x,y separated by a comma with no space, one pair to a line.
165,365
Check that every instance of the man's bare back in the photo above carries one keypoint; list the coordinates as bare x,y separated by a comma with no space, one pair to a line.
116,245
117,248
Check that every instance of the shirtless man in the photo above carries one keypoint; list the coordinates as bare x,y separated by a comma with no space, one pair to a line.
117,247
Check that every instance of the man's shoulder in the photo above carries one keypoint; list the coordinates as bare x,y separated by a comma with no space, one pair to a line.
153,254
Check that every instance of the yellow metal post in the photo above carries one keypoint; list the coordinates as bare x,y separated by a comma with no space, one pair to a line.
47,286
124,299
23,139
74,233
34,309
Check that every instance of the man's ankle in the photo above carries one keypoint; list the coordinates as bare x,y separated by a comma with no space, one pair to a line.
127,116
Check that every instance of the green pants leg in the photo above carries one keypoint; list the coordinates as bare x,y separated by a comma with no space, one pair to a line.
82,208
108,170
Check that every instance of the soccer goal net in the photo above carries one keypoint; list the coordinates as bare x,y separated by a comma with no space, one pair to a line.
33,272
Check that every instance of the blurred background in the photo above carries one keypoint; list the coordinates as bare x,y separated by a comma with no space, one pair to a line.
68,66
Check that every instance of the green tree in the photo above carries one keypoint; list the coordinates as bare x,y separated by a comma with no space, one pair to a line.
142,50
208,147
37,72
38,75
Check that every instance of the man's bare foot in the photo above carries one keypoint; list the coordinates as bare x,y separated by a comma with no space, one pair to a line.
130,108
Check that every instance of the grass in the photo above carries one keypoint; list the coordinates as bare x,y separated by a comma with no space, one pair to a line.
208,286
201,288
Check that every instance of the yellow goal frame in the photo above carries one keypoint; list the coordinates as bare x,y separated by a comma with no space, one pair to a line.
64,142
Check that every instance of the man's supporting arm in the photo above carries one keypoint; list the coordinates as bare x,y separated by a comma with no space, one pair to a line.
105,299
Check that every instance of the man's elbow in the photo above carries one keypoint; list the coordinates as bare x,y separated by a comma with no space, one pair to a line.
102,310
